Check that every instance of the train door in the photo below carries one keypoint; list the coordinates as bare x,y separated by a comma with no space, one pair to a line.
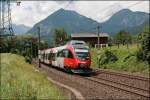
53,58
60,59
47,61
49,58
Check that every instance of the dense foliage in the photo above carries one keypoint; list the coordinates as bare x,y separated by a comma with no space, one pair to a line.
26,46
60,36
123,37
126,59
144,51
106,57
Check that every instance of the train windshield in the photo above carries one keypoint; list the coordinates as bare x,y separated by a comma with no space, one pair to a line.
82,55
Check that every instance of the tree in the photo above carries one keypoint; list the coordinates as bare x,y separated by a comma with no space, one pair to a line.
43,45
144,51
60,36
145,44
123,37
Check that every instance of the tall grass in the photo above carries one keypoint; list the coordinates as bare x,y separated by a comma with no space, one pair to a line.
20,81
127,60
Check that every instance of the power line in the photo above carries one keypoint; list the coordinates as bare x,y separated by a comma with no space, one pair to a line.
106,8
115,12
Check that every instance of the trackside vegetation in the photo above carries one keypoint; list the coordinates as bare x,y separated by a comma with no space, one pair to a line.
126,55
121,59
19,80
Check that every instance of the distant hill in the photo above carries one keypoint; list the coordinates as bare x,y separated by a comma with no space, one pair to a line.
138,29
125,19
73,22
20,29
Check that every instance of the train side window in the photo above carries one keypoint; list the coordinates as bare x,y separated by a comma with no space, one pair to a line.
53,56
43,56
46,56
65,53
49,56
70,55
60,54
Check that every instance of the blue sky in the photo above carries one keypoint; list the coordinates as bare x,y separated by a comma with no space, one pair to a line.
31,12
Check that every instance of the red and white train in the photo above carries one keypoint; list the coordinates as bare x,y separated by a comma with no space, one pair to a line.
73,57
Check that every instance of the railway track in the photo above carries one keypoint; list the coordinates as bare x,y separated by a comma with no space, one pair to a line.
121,87
132,81
137,91
142,78
123,84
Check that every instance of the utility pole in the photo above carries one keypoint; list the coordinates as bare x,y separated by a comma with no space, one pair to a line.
98,40
39,46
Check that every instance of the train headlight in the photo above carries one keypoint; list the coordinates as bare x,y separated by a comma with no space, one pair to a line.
82,65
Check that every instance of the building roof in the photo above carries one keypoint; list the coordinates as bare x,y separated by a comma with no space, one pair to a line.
89,35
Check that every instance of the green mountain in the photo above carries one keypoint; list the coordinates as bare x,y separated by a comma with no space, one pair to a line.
125,20
20,29
73,22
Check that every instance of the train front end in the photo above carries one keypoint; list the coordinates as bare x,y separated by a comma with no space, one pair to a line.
83,58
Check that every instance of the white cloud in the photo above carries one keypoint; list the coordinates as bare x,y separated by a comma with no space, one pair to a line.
31,12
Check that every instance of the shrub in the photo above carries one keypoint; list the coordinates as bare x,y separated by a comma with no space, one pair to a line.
128,57
15,51
140,55
107,57
28,59
23,53
111,57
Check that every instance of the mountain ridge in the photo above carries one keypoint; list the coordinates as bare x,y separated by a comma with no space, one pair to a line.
74,22
20,29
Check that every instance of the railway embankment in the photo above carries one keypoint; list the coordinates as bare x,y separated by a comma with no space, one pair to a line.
20,80
92,87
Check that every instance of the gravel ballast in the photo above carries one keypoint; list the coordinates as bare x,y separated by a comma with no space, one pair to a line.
89,89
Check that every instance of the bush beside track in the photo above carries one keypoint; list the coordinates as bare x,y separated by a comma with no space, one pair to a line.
19,80
121,59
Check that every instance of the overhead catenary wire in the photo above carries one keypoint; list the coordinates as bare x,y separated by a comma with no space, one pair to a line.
126,7
110,14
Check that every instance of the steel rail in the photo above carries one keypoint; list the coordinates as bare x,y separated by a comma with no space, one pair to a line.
142,78
123,84
127,89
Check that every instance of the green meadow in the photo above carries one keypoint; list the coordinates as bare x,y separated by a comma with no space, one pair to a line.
19,80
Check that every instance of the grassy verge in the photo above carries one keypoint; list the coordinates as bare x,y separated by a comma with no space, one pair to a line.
126,59
20,81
